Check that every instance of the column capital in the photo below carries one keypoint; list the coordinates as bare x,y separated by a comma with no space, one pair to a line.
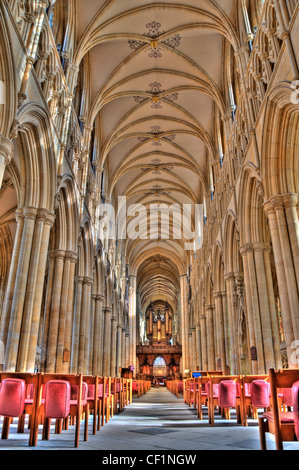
217,295
71,255
47,216
30,212
260,246
88,280
209,307
79,280
59,253
6,149
244,249
281,201
229,276
19,215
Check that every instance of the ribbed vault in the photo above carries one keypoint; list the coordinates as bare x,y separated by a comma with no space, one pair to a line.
153,94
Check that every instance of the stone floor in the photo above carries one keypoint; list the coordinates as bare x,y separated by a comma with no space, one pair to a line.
158,423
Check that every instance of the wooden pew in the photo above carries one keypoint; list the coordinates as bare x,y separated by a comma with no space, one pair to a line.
277,422
76,406
214,398
202,396
30,405
248,407
92,382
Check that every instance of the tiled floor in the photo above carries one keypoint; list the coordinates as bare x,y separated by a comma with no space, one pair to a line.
156,422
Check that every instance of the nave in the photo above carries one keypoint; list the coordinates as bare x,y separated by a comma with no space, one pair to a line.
156,421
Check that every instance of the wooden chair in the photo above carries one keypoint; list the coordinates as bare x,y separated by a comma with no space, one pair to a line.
258,400
76,406
92,382
222,393
118,394
282,424
202,396
101,401
28,384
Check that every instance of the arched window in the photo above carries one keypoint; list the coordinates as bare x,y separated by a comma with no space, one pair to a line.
159,367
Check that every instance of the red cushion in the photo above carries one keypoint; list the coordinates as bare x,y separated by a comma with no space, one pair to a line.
260,393
227,393
287,396
74,392
295,396
57,399
215,389
90,393
12,397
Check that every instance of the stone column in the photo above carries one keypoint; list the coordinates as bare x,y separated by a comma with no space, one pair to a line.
83,358
264,306
69,312
220,329
113,346
291,205
47,309
12,276
289,261
101,335
16,312
96,333
123,348
198,347
76,325
31,44
184,324
230,284
127,351
107,341
272,309
204,349
256,310
249,308
118,350
62,313
32,339
225,320
132,321
55,309
210,337
193,348
286,276
6,154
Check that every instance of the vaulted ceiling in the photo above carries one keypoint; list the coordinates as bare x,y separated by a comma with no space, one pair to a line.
156,81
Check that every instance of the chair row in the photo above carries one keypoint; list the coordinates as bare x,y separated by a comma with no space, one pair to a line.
177,387
66,398
140,387
276,393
